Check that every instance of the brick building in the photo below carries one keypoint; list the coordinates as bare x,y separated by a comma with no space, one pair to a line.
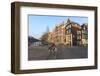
68,33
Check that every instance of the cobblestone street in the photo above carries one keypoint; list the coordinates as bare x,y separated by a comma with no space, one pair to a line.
42,53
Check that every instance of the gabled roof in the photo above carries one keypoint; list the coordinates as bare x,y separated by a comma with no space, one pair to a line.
69,22
32,39
84,25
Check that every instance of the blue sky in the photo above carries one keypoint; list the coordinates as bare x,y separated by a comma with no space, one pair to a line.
38,24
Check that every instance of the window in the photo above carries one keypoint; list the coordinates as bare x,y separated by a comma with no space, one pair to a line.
68,31
78,32
85,31
79,37
84,36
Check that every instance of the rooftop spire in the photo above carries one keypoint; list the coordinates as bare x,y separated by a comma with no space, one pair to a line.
47,29
68,21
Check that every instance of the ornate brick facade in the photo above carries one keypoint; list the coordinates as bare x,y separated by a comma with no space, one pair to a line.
68,33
